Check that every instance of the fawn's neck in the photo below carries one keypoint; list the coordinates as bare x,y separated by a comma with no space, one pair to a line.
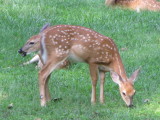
118,66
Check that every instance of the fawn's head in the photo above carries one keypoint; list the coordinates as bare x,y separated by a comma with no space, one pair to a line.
126,87
33,44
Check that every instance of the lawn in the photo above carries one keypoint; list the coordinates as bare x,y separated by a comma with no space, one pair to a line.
138,33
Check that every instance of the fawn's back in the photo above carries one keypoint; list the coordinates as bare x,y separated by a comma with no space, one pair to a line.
80,44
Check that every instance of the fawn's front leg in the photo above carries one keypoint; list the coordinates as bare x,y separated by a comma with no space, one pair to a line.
94,76
102,81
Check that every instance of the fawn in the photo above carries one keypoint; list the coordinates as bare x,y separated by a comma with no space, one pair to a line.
33,45
137,5
64,42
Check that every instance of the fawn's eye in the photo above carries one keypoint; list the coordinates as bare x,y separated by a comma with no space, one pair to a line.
31,43
124,93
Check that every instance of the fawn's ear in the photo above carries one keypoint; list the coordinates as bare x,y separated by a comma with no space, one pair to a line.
116,78
134,75
45,27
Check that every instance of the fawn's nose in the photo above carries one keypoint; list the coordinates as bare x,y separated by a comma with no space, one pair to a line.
131,105
20,51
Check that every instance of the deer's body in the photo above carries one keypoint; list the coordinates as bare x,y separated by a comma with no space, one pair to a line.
63,42
81,45
137,5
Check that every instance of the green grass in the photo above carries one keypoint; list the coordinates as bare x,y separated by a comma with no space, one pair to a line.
138,32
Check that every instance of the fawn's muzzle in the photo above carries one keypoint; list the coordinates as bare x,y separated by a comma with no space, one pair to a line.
22,52
131,105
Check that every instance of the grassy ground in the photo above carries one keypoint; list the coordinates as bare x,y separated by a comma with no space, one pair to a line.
139,33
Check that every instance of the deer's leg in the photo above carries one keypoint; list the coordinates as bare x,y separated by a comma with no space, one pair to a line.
102,81
40,64
48,97
34,59
43,80
44,75
94,76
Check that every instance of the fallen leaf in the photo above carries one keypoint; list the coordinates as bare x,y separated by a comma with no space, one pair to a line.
57,99
146,101
10,106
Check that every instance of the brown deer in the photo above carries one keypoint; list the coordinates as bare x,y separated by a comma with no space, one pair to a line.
65,42
137,5
33,45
